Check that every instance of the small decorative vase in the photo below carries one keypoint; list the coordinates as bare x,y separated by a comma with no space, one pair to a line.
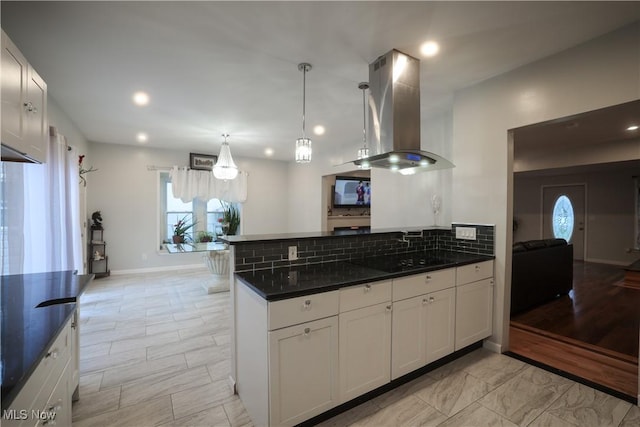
178,239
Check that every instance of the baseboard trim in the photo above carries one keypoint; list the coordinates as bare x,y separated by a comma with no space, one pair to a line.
159,269
492,346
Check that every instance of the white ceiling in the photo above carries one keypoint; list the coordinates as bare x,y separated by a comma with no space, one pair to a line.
231,67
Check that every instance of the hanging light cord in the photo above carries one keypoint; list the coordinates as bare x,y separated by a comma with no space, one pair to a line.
304,85
364,116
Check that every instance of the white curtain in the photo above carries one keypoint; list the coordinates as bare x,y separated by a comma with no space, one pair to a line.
188,184
42,213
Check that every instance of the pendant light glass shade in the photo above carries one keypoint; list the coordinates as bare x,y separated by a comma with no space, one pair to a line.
303,145
363,152
303,150
225,168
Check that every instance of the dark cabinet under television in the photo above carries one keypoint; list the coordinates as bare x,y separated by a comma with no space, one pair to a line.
98,259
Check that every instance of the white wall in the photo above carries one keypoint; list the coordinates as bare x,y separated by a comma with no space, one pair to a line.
597,74
127,195
609,205
58,118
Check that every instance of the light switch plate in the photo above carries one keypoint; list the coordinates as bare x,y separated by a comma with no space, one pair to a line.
293,253
466,233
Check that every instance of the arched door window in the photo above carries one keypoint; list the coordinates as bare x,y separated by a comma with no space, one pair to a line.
563,219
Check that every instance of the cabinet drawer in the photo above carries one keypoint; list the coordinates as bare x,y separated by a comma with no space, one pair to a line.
302,309
474,272
364,295
420,284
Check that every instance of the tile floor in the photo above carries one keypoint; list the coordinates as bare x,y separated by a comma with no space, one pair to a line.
155,352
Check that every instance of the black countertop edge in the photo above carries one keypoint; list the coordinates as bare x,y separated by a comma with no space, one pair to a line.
47,321
234,240
370,275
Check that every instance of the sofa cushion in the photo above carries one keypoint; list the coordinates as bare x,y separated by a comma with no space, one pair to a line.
555,242
534,244
519,247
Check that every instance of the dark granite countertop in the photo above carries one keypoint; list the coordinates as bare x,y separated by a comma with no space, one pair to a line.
234,240
289,282
28,330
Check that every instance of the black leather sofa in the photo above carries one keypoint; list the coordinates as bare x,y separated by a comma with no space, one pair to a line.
542,270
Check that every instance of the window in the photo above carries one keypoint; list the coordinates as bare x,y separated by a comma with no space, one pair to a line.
562,218
207,216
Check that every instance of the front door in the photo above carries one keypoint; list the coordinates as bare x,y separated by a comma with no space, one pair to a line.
563,214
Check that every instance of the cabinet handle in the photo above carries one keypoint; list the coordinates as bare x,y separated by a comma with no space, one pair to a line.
427,278
431,299
49,423
389,308
307,304
477,267
53,354
56,407
307,331
30,107
424,301
367,288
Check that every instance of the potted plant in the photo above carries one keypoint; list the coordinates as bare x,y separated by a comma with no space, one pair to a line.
205,237
230,218
180,230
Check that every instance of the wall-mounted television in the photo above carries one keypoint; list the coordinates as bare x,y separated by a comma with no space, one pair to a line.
352,192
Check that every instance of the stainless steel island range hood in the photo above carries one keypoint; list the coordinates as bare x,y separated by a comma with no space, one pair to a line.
394,117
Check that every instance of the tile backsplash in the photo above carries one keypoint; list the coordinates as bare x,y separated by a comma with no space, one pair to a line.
258,255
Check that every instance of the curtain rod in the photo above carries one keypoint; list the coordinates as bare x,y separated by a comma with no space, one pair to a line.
168,168
159,168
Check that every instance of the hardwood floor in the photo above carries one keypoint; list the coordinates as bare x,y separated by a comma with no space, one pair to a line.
591,333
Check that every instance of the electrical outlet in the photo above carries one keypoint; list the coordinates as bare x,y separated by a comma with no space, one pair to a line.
466,233
293,253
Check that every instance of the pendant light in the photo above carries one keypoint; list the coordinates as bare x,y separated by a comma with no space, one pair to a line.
363,152
225,168
303,145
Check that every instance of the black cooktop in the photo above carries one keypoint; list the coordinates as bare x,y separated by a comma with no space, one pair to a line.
403,262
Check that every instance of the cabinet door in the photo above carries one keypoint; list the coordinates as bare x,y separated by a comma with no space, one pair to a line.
303,371
75,355
474,312
13,95
37,132
408,335
365,350
58,408
440,324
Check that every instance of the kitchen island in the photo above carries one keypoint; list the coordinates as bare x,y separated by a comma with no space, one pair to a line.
313,338
40,344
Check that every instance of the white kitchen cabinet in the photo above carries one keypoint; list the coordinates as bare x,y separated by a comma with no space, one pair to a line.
409,336
303,371
474,303
441,318
24,107
286,355
46,395
365,338
75,355
365,345
423,326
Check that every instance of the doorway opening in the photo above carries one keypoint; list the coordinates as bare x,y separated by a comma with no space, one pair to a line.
584,186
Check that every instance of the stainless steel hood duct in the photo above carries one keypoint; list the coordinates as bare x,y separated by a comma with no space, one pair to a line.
394,117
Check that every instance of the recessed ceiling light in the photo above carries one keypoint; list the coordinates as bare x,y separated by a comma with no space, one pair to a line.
268,152
633,127
140,98
319,130
429,48
142,137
